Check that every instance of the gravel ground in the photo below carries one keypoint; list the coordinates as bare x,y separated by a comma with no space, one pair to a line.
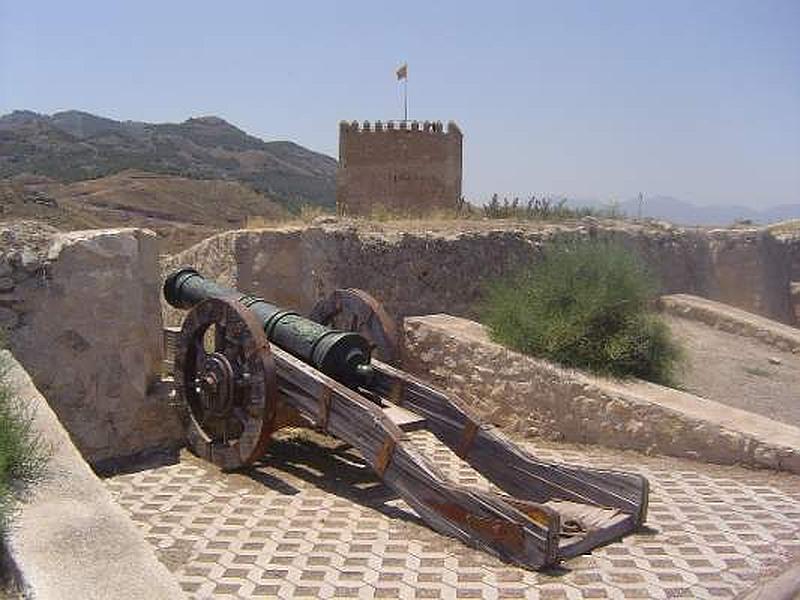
739,371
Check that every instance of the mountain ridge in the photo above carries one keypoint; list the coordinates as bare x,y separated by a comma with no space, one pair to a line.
682,212
75,145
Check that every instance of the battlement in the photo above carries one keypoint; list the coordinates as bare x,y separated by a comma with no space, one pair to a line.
429,127
404,167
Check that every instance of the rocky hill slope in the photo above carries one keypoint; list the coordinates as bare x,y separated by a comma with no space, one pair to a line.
73,146
181,211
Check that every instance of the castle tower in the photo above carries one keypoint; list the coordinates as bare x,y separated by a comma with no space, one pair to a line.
407,168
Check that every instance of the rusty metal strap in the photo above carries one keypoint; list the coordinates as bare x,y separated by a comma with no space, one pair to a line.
497,530
324,409
467,437
384,456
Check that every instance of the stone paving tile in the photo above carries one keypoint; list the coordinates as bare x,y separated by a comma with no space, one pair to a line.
314,522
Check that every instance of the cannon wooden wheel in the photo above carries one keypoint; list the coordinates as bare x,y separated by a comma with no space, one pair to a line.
228,383
355,310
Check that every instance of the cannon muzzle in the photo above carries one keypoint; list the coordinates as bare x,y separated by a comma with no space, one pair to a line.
342,355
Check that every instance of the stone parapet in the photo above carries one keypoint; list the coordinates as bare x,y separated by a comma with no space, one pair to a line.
69,539
785,585
351,127
534,398
732,320
445,266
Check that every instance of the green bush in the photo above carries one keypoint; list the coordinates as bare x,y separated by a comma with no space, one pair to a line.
585,305
23,456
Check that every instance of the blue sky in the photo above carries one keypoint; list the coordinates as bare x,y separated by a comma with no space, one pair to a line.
695,99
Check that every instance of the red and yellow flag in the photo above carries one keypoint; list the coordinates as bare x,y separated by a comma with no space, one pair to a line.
402,72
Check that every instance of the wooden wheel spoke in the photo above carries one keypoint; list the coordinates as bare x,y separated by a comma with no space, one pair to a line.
355,310
221,338
233,353
199,348
240,415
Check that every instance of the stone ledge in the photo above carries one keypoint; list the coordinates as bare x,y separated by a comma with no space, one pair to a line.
783,586
532,397
733,320
69,538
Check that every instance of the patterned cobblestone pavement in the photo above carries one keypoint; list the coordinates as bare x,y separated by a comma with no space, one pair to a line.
314,522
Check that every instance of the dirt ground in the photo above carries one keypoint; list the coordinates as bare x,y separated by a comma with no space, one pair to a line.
739,371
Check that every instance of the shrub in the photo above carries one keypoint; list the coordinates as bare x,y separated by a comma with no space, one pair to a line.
23,455
585,305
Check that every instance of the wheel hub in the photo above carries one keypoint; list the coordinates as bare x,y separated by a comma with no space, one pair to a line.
217,386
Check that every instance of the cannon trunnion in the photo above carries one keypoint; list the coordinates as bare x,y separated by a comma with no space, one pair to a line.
245,368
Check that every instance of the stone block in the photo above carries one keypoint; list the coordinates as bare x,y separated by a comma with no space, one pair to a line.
90,334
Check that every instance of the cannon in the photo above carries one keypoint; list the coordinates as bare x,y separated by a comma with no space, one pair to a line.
245,368
343,355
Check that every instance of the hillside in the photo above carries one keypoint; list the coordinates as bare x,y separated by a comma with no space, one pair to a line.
74,146
181,211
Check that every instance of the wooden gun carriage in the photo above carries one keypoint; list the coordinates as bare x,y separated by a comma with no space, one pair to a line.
246,368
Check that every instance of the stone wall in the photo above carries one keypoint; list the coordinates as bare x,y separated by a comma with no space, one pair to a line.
791,241
446,268
405,168
747,267
81,312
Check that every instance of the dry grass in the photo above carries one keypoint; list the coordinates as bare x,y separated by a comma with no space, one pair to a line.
181,211
537,209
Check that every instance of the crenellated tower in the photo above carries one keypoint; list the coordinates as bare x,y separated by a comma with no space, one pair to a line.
404,167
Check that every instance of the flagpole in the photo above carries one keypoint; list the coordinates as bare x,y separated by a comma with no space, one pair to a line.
402,73
405,98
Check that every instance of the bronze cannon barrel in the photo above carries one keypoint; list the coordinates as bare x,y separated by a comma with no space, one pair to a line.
342,355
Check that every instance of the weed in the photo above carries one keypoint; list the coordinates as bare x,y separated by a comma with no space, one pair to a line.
541,208
23,454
